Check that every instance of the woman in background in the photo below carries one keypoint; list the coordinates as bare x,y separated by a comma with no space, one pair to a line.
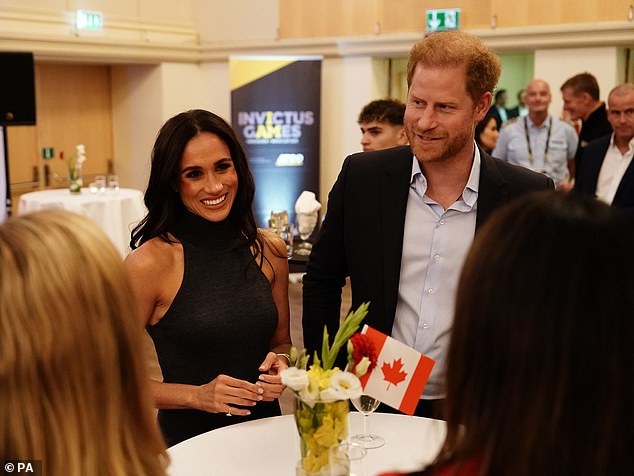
486,133
72,380
540,365
212,288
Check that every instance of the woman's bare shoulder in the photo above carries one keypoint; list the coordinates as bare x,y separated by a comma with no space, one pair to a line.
153,256
273,243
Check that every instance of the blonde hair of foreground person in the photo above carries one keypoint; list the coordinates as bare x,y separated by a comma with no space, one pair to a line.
72,379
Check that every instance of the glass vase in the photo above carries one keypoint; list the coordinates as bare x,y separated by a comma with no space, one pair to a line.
321,427
74,178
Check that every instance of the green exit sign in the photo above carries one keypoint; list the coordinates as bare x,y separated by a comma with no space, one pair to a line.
89,20
447,19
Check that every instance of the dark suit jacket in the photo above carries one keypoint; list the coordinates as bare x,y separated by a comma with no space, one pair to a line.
362,234
514,112
588,174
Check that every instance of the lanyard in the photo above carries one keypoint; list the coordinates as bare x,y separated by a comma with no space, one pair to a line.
528,142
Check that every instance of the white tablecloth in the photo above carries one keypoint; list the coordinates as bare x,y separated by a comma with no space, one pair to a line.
116,211
270,446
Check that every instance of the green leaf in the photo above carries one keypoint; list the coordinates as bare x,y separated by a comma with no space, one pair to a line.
347,328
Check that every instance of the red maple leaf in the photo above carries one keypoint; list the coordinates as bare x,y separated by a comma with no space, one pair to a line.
393,373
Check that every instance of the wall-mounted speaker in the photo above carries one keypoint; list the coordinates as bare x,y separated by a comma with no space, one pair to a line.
17,89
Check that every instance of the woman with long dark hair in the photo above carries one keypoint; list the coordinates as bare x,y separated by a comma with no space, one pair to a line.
212,288
486,133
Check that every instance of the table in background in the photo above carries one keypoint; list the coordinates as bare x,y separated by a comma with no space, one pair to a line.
270,446
116,211
297,262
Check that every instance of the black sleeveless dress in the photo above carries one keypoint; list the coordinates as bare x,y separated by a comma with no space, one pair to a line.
221,321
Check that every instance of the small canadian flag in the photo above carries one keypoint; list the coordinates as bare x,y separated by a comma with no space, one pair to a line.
400,374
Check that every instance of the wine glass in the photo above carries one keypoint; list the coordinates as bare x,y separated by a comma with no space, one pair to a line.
366,405
306,223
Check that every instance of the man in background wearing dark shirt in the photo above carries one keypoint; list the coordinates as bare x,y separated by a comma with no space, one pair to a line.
581,100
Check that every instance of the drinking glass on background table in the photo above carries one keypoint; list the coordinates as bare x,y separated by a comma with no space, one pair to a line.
100,182
113,182
306,223
366,405
286,233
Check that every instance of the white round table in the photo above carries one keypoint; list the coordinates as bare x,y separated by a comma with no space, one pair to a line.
116,211
270,446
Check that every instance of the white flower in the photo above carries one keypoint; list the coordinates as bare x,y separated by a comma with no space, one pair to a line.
331,394
80,150
295,379
346,384
310,394
362,367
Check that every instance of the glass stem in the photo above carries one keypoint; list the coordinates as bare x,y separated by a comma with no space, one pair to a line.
365,424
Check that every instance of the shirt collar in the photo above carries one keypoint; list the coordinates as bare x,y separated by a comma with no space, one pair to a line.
470,192
532,124
630,146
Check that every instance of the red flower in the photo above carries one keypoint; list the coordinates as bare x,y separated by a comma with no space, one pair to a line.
363,347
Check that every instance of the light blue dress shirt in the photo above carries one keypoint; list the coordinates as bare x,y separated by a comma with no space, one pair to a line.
435,244
513,148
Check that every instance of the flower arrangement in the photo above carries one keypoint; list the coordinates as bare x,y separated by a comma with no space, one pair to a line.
75,163
323,390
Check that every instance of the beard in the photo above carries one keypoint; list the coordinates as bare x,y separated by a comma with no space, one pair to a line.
446,148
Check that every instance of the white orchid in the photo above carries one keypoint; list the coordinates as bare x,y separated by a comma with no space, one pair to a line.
80,152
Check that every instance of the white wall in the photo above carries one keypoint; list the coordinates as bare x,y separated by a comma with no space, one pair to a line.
137,115
144,97
557,65
347,84
217,88
183,87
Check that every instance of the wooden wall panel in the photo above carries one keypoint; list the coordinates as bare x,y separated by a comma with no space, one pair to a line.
74,107
410,15
323,18
23,154
556,12
309,18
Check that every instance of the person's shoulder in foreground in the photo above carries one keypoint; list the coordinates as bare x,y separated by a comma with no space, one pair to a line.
469,468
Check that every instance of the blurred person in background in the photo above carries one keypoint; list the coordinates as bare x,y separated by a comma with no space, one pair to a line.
539,141
606,168
582,102
73,384
212,288
486,133
540,360
521,109
381,124
498,110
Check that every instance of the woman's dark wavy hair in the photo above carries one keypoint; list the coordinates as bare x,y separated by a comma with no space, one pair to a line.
540,366
162,199
480,126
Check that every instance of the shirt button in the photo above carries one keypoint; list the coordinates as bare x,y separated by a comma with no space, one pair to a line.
436,257
442,221
425,325
430,290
